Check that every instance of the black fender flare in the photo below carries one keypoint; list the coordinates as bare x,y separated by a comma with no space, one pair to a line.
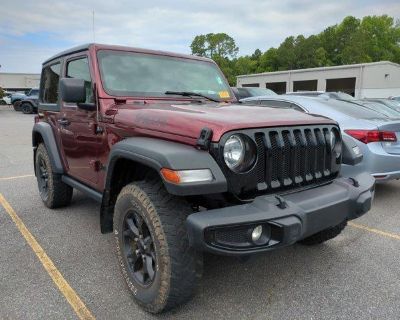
46,132
158,154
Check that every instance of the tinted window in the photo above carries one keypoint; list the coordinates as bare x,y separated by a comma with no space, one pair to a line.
243,93
80,69
34,92
135,74
50,78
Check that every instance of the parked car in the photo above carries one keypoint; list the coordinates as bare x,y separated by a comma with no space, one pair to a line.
180,168
376,134
245,92
375,104
29,104
17,97
6,98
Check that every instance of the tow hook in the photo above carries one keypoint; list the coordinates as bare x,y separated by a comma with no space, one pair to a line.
355,182
281,202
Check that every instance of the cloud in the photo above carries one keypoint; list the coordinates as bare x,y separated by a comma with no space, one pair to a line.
31,31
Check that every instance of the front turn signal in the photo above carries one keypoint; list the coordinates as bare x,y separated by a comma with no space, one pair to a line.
186,176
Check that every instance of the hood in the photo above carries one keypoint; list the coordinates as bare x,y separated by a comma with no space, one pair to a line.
188,120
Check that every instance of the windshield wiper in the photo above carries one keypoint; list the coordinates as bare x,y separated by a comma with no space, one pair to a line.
191,94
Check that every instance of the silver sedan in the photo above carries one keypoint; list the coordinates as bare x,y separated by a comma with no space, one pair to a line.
377,135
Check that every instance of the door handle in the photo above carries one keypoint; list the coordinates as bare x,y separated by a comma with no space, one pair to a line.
63,122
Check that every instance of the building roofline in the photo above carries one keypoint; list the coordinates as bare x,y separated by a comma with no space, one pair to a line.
123,48
346,66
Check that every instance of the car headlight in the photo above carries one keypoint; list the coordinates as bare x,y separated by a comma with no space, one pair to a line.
239,153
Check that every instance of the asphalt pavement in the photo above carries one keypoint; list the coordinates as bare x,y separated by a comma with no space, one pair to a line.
354,276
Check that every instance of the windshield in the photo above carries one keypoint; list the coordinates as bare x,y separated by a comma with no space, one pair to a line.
260,92
138,74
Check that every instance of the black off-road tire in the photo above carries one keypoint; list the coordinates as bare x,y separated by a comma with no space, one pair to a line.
56,194
178,267
324,235
26,108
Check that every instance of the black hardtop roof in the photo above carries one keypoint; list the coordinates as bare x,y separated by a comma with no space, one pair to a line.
85,47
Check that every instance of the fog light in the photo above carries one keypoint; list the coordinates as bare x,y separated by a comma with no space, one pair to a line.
257,233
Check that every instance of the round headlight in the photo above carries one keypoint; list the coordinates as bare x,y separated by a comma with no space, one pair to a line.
239,153
234,151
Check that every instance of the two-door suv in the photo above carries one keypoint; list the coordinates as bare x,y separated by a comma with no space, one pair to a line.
180,167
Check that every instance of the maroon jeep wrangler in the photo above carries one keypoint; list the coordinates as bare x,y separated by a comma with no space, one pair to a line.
181,168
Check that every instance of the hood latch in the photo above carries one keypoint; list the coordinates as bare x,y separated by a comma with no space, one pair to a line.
204,140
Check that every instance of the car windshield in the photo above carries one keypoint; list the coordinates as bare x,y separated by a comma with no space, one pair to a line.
255,92
139,74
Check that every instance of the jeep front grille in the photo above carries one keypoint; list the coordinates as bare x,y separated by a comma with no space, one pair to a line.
287,157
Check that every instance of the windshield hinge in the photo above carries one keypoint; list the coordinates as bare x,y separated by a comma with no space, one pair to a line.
203,142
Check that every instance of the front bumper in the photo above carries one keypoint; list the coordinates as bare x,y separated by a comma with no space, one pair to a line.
288,218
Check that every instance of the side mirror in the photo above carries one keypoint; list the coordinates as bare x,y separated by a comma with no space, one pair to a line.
72,90
351,153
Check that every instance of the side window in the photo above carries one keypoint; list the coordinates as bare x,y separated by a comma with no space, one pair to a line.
79,69
50,78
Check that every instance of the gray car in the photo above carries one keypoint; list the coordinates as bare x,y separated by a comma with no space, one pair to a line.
377,135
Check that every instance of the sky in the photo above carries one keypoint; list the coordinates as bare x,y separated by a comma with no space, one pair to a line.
32,31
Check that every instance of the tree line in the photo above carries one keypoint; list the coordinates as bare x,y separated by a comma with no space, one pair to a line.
370,39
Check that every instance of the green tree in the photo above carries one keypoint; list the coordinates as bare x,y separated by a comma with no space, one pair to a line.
1,93
372,38
213,45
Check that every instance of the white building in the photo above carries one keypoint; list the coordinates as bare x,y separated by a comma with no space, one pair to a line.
19,81
370,80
